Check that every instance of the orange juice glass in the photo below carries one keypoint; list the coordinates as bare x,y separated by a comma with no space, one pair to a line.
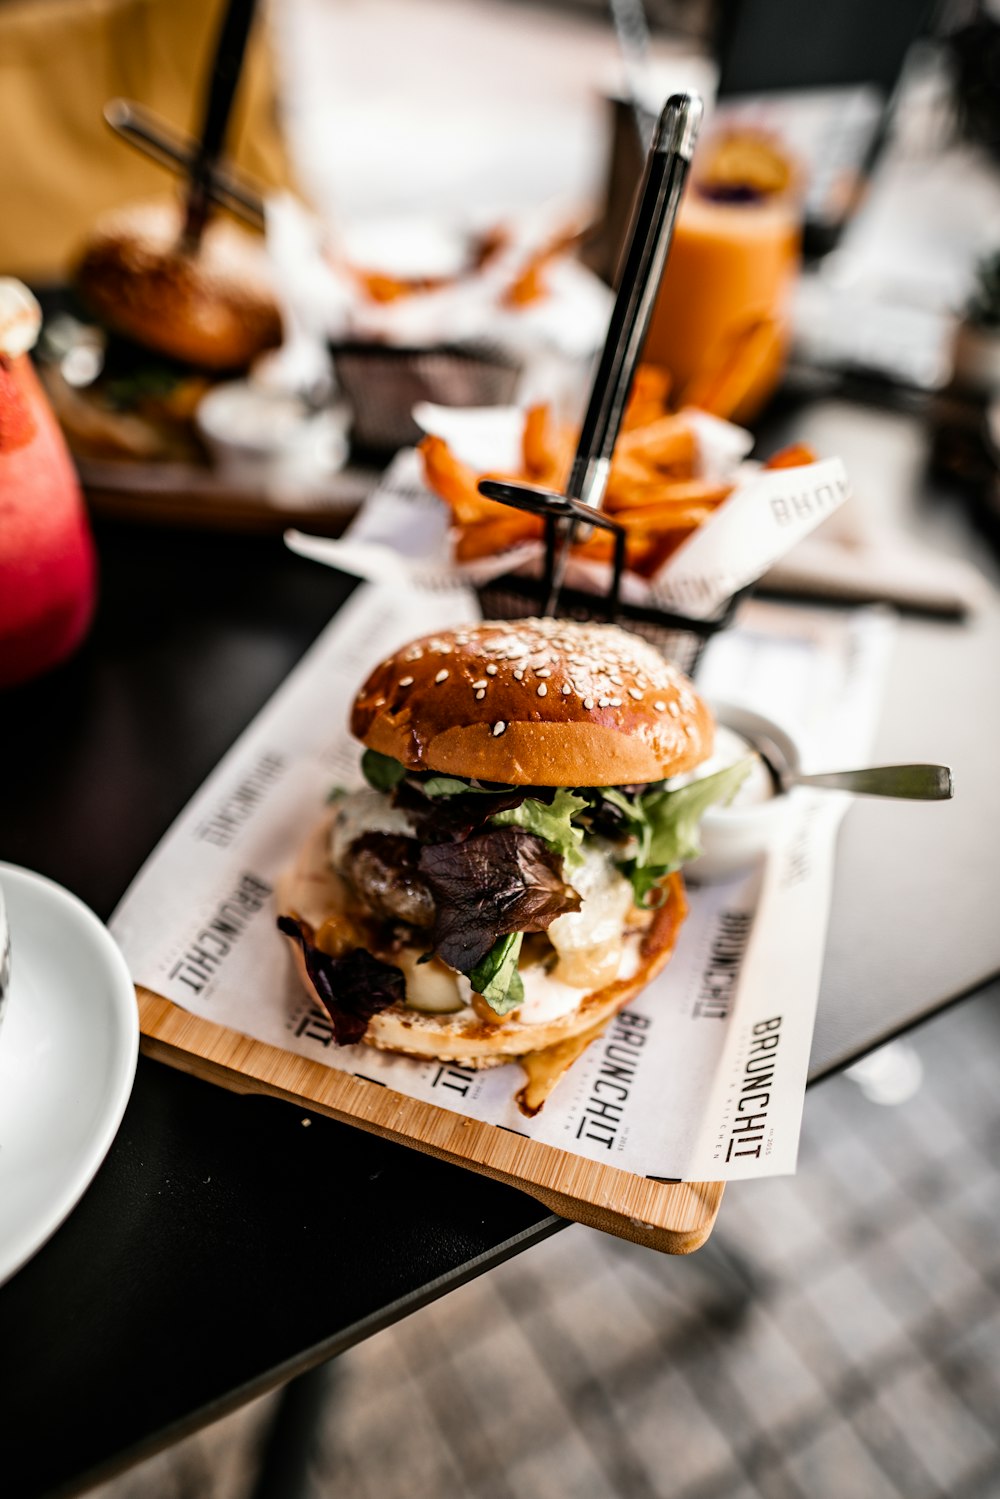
726,293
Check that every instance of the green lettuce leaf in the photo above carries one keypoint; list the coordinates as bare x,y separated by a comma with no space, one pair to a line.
496,978
452,786
552,821
674,815
634,811
381,772
665,824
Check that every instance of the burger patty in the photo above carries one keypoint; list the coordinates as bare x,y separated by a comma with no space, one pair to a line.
383,872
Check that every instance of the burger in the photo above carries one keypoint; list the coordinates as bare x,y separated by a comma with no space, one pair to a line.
509,876
167,322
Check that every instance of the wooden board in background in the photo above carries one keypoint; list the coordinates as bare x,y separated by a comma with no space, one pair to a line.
674,1217
183,494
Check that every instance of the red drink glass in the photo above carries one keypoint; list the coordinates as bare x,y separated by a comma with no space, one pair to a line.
47,562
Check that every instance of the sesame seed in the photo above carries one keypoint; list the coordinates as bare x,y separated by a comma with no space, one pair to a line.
604,702
588,702
542,689
519,675
634,692
480,694
674,710
615,702
406,681
481,683
498,728
543,671
442,676
491,670
660,707
567,689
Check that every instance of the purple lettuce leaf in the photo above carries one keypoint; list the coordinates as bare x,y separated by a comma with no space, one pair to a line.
352,988
491,884
442,819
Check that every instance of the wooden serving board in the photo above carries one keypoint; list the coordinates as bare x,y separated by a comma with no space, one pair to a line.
195,496
674,1217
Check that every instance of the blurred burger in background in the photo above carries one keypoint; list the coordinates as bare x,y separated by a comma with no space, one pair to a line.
164,323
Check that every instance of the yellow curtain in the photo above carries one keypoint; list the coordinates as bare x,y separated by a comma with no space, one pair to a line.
60,60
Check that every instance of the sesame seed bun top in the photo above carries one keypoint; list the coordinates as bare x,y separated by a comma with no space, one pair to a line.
535,702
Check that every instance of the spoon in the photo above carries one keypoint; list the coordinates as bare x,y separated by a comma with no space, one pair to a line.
921,783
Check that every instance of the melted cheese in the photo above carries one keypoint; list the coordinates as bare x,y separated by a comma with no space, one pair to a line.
546,997
589,941
432,986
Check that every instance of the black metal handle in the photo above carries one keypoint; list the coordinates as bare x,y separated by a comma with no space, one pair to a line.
144,130
639,277
225,76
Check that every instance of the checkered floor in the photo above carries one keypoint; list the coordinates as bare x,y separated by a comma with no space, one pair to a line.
839,1337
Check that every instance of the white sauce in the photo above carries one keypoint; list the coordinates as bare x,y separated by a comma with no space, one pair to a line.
364,811
758,787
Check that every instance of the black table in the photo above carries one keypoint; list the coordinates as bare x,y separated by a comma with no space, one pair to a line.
222,1247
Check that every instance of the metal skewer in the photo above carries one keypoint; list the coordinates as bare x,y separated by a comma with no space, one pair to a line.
226,68
642,266
209,179
169,148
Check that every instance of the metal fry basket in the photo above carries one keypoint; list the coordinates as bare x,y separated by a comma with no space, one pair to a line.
678,637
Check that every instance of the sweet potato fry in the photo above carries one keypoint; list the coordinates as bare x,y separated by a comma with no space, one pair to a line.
529,286
530,283
381,288
647,556
796,455
488,537
537,441
455,483
658,493
598,546
669,517
628,481
648,399
547,448
668,443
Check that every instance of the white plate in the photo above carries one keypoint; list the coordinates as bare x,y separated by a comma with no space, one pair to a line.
68,1048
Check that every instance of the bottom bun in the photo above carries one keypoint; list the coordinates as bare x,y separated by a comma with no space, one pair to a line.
312,891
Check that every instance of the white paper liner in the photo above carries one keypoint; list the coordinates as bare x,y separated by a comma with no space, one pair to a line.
660,1094
570,318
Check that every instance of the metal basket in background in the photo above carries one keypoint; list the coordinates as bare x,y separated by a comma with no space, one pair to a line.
383,383
678,637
